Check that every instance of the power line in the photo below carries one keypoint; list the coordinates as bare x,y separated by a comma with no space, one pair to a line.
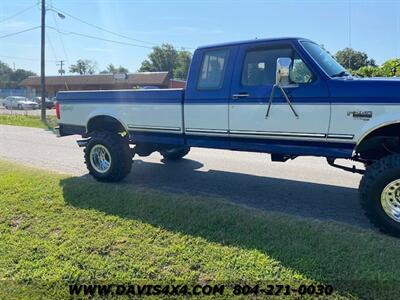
18,32
52,47
109,31
24,58
98,38
60,38
18,13
103,29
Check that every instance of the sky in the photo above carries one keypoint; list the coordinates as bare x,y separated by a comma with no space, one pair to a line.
372,26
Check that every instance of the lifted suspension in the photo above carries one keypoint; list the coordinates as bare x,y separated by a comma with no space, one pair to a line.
353,169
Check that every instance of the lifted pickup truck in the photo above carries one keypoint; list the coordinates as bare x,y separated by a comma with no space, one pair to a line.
286,96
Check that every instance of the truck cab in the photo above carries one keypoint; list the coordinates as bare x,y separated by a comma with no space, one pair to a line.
238,98
286,96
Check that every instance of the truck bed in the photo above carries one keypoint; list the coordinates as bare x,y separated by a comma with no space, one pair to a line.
156,110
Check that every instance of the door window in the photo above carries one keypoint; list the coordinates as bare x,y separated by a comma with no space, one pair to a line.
259,67
213,69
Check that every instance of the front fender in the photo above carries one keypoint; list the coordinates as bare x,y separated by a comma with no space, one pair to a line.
376,123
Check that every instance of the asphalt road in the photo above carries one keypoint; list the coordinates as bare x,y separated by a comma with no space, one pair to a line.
305,187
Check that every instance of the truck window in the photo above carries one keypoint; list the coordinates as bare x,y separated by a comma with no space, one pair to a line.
299,72
259,67
212,70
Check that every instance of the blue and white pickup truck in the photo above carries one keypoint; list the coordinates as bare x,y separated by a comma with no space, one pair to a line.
285,96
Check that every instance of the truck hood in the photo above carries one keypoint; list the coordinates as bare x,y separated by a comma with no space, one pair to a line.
379,90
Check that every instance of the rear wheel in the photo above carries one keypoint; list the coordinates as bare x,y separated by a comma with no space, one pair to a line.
380,194
175,153
108,157
20,107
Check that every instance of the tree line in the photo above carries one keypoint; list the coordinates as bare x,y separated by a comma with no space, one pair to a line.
162,58
359,64
177,62
10,78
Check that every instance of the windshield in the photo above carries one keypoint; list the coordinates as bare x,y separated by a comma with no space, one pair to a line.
325,60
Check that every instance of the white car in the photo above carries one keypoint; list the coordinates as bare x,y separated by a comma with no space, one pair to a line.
13,102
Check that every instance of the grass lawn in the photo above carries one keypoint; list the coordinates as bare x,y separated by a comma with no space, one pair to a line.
57,229
28,121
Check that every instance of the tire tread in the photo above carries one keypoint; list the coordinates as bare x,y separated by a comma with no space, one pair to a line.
371,175
123,160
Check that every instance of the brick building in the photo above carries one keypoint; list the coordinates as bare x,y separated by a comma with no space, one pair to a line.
100,82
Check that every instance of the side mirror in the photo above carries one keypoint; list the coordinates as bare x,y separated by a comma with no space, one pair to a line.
283,70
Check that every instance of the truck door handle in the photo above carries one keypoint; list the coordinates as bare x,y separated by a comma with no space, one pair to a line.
240,95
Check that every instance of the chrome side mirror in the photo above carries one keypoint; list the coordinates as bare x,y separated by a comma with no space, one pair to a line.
282,80
283,70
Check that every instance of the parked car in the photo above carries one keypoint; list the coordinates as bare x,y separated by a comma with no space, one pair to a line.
16,102
49,103
286,96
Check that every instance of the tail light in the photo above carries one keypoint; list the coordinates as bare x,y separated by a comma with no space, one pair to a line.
58,110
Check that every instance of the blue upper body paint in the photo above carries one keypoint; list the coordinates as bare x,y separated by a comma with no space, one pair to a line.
323,90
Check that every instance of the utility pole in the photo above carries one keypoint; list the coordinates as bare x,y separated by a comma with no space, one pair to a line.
42,65
349,32
61,71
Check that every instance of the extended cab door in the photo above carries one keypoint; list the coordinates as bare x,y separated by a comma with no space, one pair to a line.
252,83
206,104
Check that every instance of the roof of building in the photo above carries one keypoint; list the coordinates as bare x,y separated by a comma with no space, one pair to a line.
141,79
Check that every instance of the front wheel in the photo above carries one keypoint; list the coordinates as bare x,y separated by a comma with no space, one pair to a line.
380,194
175,153
108,157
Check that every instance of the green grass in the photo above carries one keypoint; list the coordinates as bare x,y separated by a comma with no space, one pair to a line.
28,121
57,229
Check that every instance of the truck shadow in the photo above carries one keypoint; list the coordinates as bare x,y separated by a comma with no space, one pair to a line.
328,252
304,199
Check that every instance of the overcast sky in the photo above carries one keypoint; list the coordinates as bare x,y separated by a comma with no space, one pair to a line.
375,27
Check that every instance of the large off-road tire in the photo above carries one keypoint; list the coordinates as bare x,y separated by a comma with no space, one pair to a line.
108,157
175,153
380,194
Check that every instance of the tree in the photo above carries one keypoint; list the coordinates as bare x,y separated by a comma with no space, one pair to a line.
369,71
183,62
83,67
391,68
167,58
112,69
353,60
10,78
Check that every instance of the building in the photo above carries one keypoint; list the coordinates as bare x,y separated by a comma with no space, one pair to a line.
100,82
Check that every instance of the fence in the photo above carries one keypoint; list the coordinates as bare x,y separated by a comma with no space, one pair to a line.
12,92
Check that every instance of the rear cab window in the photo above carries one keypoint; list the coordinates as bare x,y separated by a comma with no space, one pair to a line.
213,69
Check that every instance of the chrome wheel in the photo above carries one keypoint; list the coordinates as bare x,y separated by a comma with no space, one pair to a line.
390,200
100,158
